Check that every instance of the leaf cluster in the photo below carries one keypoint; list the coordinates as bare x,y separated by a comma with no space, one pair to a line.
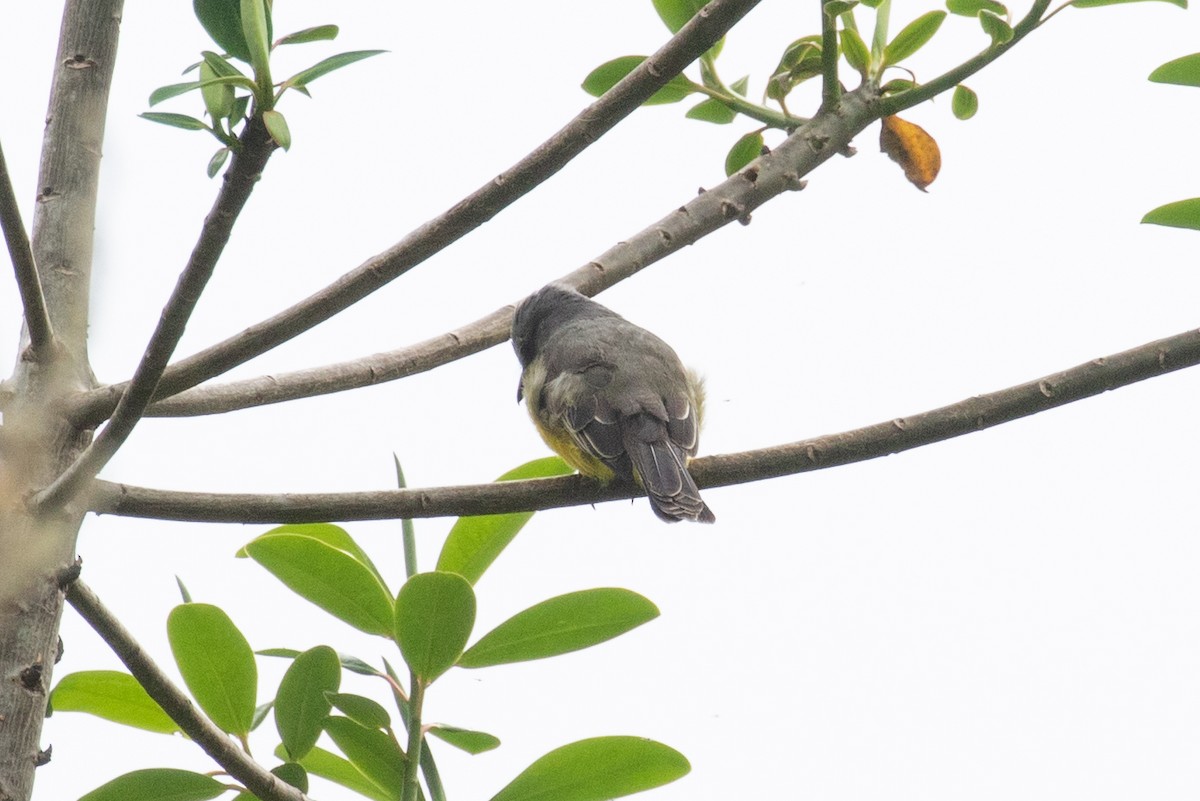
430,621
243,30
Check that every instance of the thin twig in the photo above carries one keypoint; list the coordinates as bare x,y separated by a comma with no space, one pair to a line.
37,316
831,87
257,779
893,436
894,104
239,182
713,21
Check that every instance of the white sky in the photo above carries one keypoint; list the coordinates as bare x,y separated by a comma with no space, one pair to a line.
1009,614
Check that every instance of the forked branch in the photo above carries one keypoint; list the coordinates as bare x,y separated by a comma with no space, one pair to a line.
713,22
239,182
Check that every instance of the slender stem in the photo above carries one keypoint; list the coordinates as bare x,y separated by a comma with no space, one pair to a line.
231,199
178,706
882,439
710,24
37,316
831,86
893,104
406,529
416,739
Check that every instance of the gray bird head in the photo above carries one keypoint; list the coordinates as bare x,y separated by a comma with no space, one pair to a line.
544,311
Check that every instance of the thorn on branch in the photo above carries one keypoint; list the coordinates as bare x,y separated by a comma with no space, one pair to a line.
43,757
59,650
67,575
848,151
80,62
31,678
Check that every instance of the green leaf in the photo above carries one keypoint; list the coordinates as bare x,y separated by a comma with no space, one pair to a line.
174,90
434,616
363,711
214,166
610,73
1183,71
277,127
320,33
897,85
217,93
834,8
374,753
257,32
260,714
329,577
222,19
302,702
475,542
597,769
112,695
348,662
912,37
744,151
971,8
222,68
158,784
712,110
183,590
305,77
294,774
332,767
1098,3
216,664
560,625
964,103
328,533
473,742
801,61
995,27
676,13
855,50
175,120
1180,214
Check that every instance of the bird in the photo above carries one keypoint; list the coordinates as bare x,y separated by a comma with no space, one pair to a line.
611,398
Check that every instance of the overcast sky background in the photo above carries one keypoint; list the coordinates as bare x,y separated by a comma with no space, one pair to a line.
1013,613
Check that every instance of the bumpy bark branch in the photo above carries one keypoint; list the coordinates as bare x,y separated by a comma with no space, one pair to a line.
247,167
882,439
35,442
216,743
830,131
468,214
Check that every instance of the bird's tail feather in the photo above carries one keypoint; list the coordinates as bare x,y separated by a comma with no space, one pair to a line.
661,466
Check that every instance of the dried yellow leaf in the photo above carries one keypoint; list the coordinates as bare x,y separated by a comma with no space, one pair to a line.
913,149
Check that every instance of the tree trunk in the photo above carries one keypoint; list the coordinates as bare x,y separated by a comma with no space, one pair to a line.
36,442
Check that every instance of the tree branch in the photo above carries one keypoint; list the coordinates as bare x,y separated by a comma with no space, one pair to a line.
882,439
236,762
830,131
37,316
894,104
713,21
734,199
243,174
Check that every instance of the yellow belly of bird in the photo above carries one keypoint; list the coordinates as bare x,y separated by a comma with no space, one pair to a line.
560,441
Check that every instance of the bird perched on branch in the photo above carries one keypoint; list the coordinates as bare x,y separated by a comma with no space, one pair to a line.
611,398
